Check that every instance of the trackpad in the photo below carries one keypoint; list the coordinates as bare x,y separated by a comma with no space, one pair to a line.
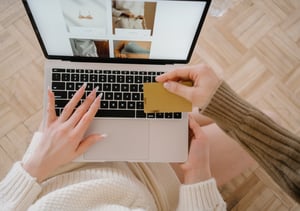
126,141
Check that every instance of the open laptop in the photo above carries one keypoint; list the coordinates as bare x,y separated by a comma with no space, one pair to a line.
117,46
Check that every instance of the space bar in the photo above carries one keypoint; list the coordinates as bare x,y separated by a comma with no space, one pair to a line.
116,113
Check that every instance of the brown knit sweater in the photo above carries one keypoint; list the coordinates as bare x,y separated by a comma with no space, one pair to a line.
273,147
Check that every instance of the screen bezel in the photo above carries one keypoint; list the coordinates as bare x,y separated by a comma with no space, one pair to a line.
118,60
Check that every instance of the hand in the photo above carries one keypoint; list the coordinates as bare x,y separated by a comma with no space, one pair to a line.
197,167
205,82
63,137
128,14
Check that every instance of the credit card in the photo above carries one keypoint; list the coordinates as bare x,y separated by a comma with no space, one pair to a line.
157,99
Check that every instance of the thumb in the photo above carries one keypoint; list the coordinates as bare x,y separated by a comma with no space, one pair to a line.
88,142
179,89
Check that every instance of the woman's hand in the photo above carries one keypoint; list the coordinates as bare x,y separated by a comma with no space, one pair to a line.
63,137
205,83
197,167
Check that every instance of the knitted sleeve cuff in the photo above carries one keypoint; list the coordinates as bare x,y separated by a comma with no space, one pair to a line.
201,196
18,190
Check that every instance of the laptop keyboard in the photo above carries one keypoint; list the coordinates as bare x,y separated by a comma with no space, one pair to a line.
122,91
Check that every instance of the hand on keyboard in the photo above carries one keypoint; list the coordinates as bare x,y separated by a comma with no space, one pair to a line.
63,137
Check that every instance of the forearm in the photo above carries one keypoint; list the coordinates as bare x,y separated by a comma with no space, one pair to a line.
18,190
274,148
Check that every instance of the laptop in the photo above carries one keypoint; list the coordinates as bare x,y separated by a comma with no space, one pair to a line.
118,46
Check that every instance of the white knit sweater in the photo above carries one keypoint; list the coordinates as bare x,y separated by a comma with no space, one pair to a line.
100,188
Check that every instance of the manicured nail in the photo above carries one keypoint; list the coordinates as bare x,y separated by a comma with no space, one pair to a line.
167,85
97,88
100,95
104,135
84,85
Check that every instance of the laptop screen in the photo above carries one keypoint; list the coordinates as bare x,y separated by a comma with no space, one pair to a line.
117,30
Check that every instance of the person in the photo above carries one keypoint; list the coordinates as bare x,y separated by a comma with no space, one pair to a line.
125,186
44,179
128,14
275,149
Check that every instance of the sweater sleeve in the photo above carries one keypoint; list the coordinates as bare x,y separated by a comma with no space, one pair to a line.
276,149
201,196
18,190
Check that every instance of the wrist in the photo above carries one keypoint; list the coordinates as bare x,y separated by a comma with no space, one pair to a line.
196,175
35,171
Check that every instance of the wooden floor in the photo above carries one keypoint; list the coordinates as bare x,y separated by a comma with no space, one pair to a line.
256,43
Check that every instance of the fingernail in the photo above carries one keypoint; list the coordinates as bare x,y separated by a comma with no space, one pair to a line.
84,85
97,88
167,85
100,95
104,135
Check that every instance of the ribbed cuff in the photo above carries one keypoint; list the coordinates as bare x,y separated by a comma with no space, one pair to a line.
200,196
18,189
227,105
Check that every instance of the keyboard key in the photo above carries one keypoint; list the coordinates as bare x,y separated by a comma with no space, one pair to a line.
55,76
138,79
133,87
140,114
70,86
60,94
129,79
177,115
126,96
159,115
61,103
109,96
111,78
75,77
168,115
58,86
116,87
103,104
140,105
124,87
102,78
58,70
136,96
131,105
93,78
150,115
118,96
116,113
106,87
122,104
113,104
65,77
84,77
120,78
71,94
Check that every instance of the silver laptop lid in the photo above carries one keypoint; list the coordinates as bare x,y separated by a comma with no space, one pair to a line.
156,32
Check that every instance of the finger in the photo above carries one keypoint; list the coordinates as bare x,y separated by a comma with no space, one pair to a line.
173,75
88,117
179,89
88,142
51,114
69,108
196,128
81,110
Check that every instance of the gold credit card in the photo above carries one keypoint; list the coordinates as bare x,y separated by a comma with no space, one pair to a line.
157,99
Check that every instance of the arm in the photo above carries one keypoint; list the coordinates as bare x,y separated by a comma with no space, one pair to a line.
18,190
199,191
274,148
